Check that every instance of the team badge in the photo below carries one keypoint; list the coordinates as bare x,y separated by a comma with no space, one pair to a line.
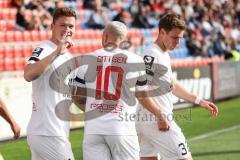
37,51
148,60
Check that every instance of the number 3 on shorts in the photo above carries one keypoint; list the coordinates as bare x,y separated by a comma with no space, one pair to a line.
184,150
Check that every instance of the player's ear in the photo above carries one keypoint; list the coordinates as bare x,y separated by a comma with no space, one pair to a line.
105,37
161,31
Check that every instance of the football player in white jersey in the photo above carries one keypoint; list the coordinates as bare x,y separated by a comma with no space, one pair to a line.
110,108
8,117
47,135
171,145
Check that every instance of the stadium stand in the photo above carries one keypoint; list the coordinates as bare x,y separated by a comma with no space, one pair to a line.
213,23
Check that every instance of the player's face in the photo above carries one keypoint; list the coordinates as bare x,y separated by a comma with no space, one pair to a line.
62,26
171,39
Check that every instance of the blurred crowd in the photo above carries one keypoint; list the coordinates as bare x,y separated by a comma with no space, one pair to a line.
212,25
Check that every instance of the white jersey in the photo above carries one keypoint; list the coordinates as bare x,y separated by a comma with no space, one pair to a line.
160,77
44,120
111,106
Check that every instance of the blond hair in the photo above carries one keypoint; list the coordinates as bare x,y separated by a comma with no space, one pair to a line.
116,29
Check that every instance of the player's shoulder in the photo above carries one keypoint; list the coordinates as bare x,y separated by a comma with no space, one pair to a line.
133,57
46,45
150,54
151,50
43,47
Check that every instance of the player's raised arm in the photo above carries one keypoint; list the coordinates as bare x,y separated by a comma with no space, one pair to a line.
7,116
34,70
181,92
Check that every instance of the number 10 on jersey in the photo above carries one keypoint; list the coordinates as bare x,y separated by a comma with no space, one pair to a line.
104,79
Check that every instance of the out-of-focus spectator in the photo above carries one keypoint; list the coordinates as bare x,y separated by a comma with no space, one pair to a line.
194,45
33,4
23,20
124,17
89,4
98,19
16,3
235,54
141,16
43,17
49,5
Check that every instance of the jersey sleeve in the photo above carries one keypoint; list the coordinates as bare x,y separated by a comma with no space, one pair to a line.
141,83
37,54
77,77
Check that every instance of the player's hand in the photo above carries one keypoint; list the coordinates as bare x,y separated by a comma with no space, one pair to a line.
211,107
163,124
16,130
65,43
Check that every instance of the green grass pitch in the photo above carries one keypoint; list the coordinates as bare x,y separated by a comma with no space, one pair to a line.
194,122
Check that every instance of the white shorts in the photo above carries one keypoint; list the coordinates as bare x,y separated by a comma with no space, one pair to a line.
171,145
50,148
104,147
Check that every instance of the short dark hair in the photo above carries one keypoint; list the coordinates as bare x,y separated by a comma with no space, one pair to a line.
68,12
171,21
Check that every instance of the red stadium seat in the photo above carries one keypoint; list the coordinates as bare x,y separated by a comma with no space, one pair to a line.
8,13
8,64
5,3
18,58
11,24
8,58
12,13
154,32
5,14
2,37
1,5
3,25
27,51
1,59
43,35
134,33
91,34
8,51
81,49
1,13
98,34
10,36
26,36
18,36
74,49
35,35
78,35
18,51
49,34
